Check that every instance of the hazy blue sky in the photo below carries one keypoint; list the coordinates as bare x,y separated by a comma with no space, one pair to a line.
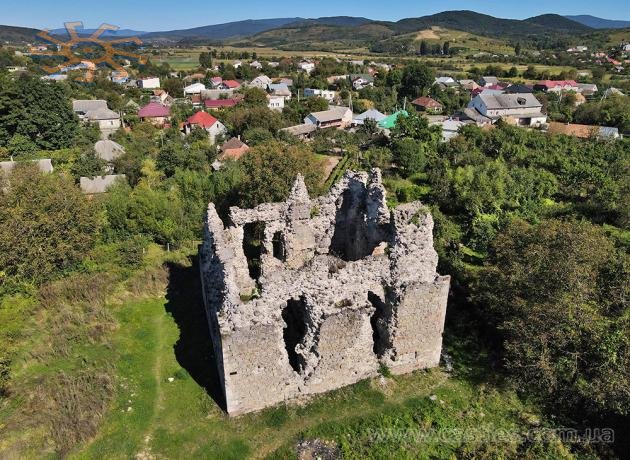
169,14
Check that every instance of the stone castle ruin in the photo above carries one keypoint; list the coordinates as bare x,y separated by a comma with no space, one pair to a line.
340,285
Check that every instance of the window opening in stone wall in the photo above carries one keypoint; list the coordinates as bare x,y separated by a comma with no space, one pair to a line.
380,334
294,316
279,248
253,234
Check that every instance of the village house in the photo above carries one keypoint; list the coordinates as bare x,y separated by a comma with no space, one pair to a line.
427,104
450,127
96,111
229,84
390,121
468,85
44,165
303,131
587,89
522,109
488,81
261,81
193,78
119,77
557,86
148,83
371,114
361,80
518,88
445,83
215,82
612,91
162,97
220,103
99,184
233,149
285,80
195,88
275,102
205,121
306,66
327,94
279,89
108,151
256,65
335,117
155,113
55,77
334,78
196,100
583,131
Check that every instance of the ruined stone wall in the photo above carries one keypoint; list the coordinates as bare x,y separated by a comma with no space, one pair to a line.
345,284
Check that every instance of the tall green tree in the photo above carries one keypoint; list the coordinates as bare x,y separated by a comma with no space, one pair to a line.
46,224
270,168
417,78
38,110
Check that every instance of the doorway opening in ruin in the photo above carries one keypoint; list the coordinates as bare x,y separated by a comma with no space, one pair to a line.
279,248
294,316
253,236
379,320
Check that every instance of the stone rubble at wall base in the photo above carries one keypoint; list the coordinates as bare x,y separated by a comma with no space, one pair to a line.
346,285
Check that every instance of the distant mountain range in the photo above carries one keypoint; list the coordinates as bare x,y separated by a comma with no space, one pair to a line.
107,33
223,31
284,30
468,21
12,34
599,23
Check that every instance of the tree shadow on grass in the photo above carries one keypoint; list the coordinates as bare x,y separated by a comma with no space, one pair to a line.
193,349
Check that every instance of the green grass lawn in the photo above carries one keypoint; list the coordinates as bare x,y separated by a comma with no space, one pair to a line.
163,405
126,371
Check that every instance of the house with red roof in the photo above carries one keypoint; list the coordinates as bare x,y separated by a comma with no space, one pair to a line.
205,121
557,86
221,103
229,84
155,113
427,104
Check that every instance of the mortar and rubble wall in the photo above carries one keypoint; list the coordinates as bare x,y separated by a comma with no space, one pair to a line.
344,284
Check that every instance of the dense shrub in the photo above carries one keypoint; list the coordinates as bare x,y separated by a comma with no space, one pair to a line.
556,292
46,224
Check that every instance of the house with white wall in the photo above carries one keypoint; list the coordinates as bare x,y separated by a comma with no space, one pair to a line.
148,83
335,117
327,94
195,88
275,102
205,121
521,108
96,111
306,66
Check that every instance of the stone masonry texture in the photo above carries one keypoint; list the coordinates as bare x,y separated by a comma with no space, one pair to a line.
344,285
